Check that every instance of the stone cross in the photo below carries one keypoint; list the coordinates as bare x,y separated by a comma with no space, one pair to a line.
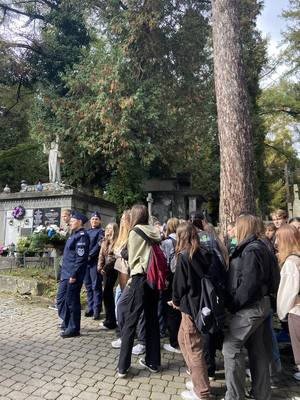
149,201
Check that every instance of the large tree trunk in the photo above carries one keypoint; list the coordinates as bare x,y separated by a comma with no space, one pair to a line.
236,152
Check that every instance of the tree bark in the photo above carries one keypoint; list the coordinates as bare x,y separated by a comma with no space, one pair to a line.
236,150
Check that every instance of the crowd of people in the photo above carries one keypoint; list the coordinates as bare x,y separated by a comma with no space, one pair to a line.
255,273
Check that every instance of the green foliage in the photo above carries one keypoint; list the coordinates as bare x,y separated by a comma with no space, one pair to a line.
124,188
14,104
137,99
24,161
63,38
278,105
23,245
128,87
282,99
292,35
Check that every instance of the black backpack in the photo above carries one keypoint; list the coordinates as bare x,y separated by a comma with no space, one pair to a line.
211,313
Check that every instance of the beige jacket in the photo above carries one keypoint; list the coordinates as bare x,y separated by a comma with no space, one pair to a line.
288,299
139,250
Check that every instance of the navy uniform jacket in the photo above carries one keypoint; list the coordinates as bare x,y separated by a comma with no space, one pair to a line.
75,257
95,235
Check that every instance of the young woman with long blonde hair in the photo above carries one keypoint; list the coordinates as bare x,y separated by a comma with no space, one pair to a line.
288,298
121,265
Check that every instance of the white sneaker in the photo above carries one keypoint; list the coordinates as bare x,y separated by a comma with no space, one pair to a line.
103,327
189,395
116,344
122,374
138,349
170,348
297,376
189,385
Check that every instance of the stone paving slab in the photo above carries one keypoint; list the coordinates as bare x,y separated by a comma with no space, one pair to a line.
36,364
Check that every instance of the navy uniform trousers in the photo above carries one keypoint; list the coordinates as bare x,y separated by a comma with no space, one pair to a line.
93,285
75,259
92,279
68,304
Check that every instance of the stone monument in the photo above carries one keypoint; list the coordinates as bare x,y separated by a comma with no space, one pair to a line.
54,159
42,204
296,202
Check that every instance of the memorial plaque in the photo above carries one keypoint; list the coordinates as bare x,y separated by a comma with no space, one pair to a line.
46,216
38,217
52,216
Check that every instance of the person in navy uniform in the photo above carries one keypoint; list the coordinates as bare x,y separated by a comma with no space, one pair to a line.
74,264
92,279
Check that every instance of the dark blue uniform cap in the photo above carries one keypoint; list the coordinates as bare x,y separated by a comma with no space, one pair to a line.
78,215
96,214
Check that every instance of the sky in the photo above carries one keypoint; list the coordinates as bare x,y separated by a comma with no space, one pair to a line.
272,25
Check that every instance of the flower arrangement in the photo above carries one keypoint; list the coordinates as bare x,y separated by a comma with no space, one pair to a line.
3,250
51,234
18,212
41,238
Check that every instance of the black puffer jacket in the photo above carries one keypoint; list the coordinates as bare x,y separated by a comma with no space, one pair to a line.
187,281
253,273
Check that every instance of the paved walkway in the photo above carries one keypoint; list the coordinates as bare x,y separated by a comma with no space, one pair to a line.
36,364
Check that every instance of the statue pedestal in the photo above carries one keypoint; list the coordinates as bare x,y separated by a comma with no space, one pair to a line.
47,187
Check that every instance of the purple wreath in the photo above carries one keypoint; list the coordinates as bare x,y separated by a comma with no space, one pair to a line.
18,212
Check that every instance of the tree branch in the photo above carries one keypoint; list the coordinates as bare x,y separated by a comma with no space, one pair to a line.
122,5
36,49
18,95
287,110
6,8
282,152
49,4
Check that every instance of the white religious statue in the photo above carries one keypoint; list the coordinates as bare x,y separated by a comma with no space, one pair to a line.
54,156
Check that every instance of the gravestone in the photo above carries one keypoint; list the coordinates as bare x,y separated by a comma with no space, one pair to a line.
45,208
296,203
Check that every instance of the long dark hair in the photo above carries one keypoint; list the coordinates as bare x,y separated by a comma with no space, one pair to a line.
139,215
187,239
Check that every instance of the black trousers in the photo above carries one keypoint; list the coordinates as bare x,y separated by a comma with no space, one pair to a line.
174,320
121,311
211,342
140,298
173,316
108,298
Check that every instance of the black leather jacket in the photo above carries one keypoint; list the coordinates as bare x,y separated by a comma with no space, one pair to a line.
253,273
